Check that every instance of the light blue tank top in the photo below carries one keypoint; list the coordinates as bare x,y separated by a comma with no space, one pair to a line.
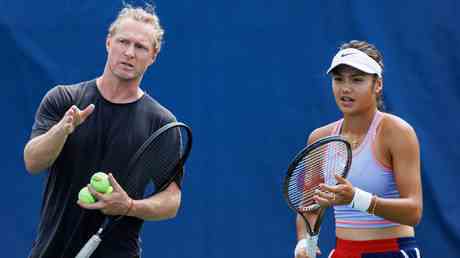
369,174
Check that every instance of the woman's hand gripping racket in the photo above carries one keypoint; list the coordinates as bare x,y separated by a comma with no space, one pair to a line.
160,160
315,164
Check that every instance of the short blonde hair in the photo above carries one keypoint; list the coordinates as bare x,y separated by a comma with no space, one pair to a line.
145,15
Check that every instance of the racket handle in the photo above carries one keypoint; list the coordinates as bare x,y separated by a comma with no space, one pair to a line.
312,243
90,246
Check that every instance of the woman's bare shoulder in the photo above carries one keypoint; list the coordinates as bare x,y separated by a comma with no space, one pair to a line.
322,132
394,124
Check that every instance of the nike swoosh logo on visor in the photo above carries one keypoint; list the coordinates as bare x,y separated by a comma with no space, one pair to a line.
346,54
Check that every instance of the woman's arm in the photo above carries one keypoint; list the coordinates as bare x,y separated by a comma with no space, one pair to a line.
401,141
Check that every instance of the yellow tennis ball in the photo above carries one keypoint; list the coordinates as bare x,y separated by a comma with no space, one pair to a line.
109,190
85,196
100,182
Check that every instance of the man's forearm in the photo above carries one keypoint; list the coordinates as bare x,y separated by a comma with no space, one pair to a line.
163,205
41,152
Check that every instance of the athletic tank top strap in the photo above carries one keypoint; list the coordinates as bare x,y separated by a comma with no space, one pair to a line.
375,123
337,127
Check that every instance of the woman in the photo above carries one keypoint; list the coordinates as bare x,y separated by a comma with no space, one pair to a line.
380,202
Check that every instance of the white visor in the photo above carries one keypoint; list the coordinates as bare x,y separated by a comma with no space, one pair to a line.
357,59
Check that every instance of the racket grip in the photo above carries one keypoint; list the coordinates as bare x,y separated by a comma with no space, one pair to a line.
312,243
90,246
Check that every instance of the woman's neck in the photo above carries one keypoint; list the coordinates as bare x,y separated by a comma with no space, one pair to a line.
358,124
355,127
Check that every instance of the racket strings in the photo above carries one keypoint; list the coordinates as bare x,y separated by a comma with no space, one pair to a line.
158,162
310,175
309,171
318,166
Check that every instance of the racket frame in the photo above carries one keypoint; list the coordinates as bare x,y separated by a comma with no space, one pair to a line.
313,231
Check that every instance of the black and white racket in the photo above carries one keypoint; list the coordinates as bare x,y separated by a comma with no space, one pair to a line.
160,160
315,164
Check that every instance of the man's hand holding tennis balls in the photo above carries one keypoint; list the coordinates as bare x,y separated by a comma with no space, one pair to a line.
100,182
115,203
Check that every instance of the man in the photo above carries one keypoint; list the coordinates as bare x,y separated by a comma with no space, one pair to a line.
96,126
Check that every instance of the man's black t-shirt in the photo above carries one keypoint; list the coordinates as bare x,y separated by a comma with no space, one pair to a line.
104,142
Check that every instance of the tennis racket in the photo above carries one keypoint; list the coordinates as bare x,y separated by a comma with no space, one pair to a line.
315,164
159,160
